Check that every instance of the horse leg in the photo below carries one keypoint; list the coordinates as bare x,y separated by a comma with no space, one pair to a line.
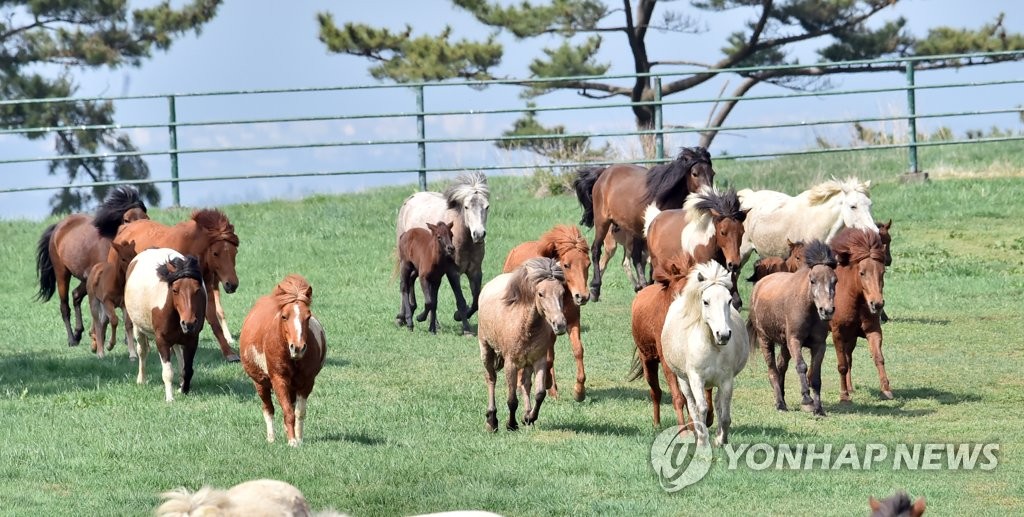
610,246
286,397
166,371
76,298
678,400
818,355
843,364
723,404
129,334
639,264
768,349
525,383
783,368
801,371
109,311
710,419
411,293
650,367
697,406
401,319
540,369
430,289
263,390
452,274
189,360
600,232
97,329
211,317
300,416
63,283
490,377
221,318
572,319
875,342
143,346
476,277
552,386
512,379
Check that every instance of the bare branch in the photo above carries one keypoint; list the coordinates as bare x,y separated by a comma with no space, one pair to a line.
679,63
709,136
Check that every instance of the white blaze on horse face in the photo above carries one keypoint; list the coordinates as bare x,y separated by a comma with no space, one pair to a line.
717,302
297,321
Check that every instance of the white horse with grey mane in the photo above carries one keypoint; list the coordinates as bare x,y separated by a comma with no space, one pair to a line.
464,206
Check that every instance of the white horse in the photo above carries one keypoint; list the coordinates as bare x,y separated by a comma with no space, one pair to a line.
705,342
820,212
463,205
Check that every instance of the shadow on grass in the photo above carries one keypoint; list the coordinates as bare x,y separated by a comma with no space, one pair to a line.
598,429
641,392
359,438
876,408
920,321
941,396
747,431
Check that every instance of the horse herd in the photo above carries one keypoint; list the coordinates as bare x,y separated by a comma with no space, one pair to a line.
821,270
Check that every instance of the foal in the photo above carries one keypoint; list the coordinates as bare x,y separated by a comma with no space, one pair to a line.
105,288
767,265
792,310
428,254
521,313
283,348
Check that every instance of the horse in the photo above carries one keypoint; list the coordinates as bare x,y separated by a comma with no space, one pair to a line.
283,348
817,213
463,205
616,195
256,497
708,227
859,303
650,306
793,310
884,233
897,505
617,237
704,342
165,298
105,288
71,247
566,245
767,265
428,254
207,235
521,314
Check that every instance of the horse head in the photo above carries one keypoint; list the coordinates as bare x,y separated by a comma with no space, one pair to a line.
855,205
886,237
542,281
796,258
570,249
469,195
699,174
729,237
442,233
125,254
187,292
712,283
862,252
134,214
220,258
293,296
821,278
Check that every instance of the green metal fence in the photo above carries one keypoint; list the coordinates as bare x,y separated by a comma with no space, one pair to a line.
174,152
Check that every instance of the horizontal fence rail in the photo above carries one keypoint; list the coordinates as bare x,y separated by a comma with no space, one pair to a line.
172,125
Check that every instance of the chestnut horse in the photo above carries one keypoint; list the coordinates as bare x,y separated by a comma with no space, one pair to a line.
207,235
767,265
283,348
106,293
568,246
430,255
165,298
617,195
521,314
884,234
792,310
71,247
859,302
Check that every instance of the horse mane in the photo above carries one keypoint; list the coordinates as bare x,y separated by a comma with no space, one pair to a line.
859,244
205,501
564,239
465,186
110,213
524,280
667,181
701,209
701,277
216,224
673,270
822,192
293,289
184,267
818,253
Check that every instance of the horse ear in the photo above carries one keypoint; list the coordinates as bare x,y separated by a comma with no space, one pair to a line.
888,225
843,258
700,277
918,508
432,227
309,292
874,504
742,215
715,214
867,185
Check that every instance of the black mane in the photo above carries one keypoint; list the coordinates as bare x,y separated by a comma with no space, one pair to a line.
110,214
726,204
666,183
187,267
817,252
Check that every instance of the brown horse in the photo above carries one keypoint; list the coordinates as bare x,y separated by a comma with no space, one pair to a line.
767,265
859,302
430,255
884,234
208,235
650,306
165,299
521,314
793,309
283,348
106,293
568,246
897,505
618,194
71,247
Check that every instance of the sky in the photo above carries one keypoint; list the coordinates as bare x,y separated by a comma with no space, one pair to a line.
267,44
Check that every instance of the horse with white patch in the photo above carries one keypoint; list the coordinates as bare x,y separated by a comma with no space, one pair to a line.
165,298
283,348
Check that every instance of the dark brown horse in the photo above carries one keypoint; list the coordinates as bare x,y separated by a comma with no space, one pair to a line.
283,348
859,302
618,194
71,247
884,234
793,310
208,235
430,255
568,246
767,265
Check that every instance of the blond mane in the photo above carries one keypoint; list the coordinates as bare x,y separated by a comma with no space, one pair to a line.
822,192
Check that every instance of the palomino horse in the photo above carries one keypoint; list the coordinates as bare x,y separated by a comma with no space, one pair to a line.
859,302
521,313
430,255
464,206
615,196
792,310
817,213
71,247
106,293
283,348
768,265
165,298
568,246
705,343
207,235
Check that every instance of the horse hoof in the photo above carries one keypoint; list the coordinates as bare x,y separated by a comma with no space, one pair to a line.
580,393
458,316
512,426
845,401
887,395
232,358
820,413
553,392
294,442
781,407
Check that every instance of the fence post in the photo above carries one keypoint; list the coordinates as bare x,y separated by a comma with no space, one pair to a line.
421,134
172,130
914,172
659,137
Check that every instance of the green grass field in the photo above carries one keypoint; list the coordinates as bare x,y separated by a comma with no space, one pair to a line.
396,421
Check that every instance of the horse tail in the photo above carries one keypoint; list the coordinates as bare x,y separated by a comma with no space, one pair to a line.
44,266
635,369
205,501
650,213
584,187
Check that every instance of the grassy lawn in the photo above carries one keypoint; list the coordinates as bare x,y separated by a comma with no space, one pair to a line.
396,421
